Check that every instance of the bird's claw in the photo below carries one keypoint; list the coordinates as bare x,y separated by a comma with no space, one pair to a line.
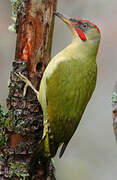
27,83
24,79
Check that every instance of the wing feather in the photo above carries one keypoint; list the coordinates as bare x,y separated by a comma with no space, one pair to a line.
64,96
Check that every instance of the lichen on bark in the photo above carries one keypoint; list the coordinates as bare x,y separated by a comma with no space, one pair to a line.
15,4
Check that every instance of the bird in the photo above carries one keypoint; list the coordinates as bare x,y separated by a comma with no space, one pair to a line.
67,85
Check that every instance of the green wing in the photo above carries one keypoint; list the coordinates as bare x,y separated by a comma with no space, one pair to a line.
68,91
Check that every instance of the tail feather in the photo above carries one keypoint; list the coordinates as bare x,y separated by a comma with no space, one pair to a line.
63,149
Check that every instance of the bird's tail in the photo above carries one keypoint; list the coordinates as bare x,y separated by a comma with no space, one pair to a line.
42,157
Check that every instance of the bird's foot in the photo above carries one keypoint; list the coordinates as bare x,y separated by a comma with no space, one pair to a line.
27,83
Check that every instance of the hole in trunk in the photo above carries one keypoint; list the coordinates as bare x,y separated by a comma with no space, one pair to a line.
39,66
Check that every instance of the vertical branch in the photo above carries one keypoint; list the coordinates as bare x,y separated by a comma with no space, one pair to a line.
22,126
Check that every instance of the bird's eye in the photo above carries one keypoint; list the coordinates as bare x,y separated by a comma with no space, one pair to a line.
85,26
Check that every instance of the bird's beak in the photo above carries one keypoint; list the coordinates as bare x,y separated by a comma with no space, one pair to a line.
62,17
68,22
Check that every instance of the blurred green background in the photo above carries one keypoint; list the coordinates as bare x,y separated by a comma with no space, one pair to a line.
92,152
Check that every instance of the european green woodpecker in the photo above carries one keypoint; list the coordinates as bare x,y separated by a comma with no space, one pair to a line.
67,85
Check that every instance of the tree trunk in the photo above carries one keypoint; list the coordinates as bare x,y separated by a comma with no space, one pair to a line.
22,127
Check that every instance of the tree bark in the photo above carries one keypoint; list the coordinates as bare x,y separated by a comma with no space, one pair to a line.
22,127
114,110
34,35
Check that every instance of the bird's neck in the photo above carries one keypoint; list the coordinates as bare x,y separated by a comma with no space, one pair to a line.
82,49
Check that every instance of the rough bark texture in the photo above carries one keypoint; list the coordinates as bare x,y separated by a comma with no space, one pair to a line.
114,110
22,127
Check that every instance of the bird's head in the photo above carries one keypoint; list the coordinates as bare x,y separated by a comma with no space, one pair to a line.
81,28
